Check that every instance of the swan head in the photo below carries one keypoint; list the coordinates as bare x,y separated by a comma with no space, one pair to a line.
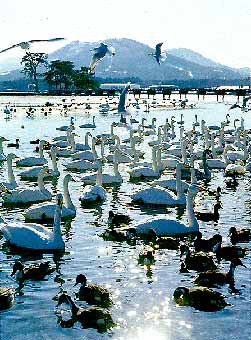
69,178
193,190
81,278
42,142
12,156
59,200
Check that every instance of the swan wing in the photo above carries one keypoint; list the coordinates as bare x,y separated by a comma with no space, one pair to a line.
162,226
30,235
25,196
154,196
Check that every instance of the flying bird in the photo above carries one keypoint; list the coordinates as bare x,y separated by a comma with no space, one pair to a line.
158,55
100,53
26,44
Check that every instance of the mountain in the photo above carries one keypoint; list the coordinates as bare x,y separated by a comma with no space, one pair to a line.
132,60
194,57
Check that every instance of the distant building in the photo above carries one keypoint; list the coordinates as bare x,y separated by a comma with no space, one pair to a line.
117,86
232,87
161,87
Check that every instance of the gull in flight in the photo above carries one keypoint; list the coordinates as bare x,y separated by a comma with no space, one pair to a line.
100,53
158,55
26,44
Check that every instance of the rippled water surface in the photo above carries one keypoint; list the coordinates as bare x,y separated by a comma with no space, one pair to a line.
143,306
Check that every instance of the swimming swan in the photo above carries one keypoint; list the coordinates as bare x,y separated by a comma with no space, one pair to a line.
36,236
11,184
26,195
166,227
32,161
46,211
93,193
160,196
33,172
107,179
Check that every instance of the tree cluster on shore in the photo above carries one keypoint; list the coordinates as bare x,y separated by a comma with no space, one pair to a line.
60,75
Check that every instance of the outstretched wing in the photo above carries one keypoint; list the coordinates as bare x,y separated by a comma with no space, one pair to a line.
158,49
99,54
45,40
9,48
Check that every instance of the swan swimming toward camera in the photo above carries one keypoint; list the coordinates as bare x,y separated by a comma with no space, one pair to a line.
93,193
25,195
107,179
36,236
46,211
167,227
11,184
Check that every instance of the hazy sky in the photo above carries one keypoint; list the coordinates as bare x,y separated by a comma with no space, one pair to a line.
218,29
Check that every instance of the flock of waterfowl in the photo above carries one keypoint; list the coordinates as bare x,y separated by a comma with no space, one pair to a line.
195,156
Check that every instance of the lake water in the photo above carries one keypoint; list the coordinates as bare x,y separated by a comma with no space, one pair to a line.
143,306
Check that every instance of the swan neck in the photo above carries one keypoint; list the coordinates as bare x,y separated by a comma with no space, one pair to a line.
86,138
67,198
11,177
57,226
193,177
40,181
159,163
99,176
54,162
41,150
180,192
183,151
193,223
154,161
72,143
116,168
94,149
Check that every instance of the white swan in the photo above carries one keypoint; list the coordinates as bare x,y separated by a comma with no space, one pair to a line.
85,146
94,193
89,125
11,184
87,154
160,196
66,127
2,155
36,236
84,164
46,211
33,161
33,172
107,179
142,172
168,227
171,183
27,195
